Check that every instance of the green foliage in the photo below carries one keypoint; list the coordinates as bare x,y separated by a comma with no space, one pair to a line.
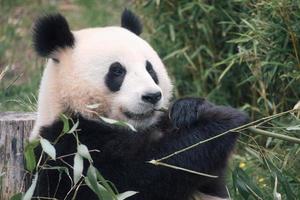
29,193
29,154
242,53
48,148
103,188
244,184
17,196
237,52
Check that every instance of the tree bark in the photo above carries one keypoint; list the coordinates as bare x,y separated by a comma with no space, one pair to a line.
14,130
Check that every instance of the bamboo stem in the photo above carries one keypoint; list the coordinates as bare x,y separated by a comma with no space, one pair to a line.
155,162
237,129
274,135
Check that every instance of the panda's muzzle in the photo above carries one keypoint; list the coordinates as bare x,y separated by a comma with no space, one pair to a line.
139,116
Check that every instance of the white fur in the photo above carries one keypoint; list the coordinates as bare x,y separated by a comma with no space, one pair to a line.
78,79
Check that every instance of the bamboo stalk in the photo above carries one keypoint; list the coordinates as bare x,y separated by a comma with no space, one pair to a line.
154,162
274,135
237,129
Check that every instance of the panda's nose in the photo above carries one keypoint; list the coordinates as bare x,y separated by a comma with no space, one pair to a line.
152,98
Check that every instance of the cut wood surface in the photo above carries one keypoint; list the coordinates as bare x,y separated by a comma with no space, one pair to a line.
14,130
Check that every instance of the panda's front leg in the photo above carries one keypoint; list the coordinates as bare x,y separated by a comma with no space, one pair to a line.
198,112
197,120
187,111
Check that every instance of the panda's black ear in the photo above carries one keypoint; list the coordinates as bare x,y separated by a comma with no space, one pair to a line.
131,22
50,33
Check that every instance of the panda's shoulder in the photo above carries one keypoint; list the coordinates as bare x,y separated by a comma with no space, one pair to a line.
52,131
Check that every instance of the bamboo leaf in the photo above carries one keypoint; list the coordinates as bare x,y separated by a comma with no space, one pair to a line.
225,71
73,129
66,124
119,123
30,155
172,32
29,193
125,195
246,186
92,182
293,128
48,148
78,168
93,106
84,152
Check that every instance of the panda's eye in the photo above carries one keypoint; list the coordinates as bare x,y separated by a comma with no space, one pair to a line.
151,71
117,69
115,76
149,67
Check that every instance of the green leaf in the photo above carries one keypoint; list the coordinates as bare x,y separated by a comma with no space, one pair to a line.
73,129
92,182
118,123
125,124
276,194
293,128
65,121
157,2
48,148
245,185
78,167
239,185
172,32
30,155
248,24
281,179
30,159
125,195
84,152
29,193
17,196
104,182
225,71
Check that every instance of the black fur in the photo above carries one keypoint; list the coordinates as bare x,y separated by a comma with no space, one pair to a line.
131,22
124,153
115,76
51,33
151,71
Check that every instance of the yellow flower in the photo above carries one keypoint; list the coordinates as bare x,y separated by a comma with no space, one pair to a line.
261,180
242,165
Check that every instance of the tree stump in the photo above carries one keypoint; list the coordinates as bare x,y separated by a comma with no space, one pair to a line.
14,130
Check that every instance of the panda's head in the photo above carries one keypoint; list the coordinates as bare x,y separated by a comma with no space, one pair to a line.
108,71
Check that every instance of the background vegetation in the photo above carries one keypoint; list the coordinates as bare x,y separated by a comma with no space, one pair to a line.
244,53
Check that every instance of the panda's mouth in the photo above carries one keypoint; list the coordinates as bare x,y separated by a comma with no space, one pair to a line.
138,116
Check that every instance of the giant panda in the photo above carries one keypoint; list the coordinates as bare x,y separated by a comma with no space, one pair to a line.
116,69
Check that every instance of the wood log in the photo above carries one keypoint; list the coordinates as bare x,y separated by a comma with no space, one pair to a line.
14,130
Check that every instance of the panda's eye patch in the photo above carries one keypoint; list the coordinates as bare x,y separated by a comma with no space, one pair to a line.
117,69
115,76
151,71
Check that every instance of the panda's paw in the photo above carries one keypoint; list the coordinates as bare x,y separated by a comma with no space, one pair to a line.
185,112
